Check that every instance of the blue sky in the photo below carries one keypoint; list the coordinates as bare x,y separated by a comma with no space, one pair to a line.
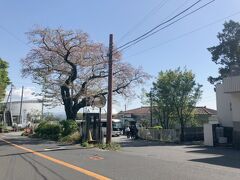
100,18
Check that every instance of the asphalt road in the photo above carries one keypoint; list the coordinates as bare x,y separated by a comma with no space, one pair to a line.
137,160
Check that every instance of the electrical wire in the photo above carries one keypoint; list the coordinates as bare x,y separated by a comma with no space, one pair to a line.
179,7
185,34
154,32
151,12
165,22
13,35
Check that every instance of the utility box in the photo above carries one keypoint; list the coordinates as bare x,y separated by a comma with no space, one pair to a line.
209,131
208,134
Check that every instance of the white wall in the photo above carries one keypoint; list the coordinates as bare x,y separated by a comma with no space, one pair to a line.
231,84
208,134
235,98
27,107
224,104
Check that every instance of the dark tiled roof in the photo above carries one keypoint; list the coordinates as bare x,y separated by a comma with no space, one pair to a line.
146,110
205,110
141,110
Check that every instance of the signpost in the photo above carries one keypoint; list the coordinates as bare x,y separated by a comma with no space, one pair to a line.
99,102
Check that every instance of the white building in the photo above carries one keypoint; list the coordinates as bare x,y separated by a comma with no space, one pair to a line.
228,105
29,110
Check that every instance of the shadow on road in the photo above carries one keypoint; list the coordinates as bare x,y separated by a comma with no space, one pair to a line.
55,150
125,142
16,154
227,157
29,161
141,143
34,167
22,141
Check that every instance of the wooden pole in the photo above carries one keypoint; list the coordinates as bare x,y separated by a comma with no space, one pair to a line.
20,113
109,104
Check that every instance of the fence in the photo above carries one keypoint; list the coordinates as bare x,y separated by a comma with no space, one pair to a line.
165,135
193,134
171,135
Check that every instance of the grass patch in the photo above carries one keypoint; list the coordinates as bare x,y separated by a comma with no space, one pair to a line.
87,145
111,147
72,138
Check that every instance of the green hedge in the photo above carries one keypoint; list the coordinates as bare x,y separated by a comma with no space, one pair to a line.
54,130
48,130
68,127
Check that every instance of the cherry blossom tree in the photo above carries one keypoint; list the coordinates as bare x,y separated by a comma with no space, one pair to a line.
73,70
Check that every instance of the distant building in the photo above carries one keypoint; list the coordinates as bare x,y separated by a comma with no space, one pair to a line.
134,115
202,114
10,112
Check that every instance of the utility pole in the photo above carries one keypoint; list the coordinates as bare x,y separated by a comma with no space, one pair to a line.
42,110
20,113
7,105
151,110
100,126
10,104
109,104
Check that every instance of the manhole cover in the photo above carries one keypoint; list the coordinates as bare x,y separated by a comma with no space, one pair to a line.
96,158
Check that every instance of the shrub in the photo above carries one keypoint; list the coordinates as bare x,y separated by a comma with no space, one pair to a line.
68,127
48,130
144,123
3,128
73,138
85,144
51,117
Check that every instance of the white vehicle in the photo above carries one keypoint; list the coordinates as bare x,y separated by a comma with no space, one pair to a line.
116,127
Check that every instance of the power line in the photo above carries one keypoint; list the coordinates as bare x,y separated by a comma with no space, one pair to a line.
179,7
154,32
151,12
13,35
165,22
185,34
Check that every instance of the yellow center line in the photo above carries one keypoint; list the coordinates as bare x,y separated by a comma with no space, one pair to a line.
76,168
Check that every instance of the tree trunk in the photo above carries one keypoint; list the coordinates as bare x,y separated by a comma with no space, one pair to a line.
167,120
67,98
70,114
68,104
182,137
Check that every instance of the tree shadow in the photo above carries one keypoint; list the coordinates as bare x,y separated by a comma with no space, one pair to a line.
225,156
